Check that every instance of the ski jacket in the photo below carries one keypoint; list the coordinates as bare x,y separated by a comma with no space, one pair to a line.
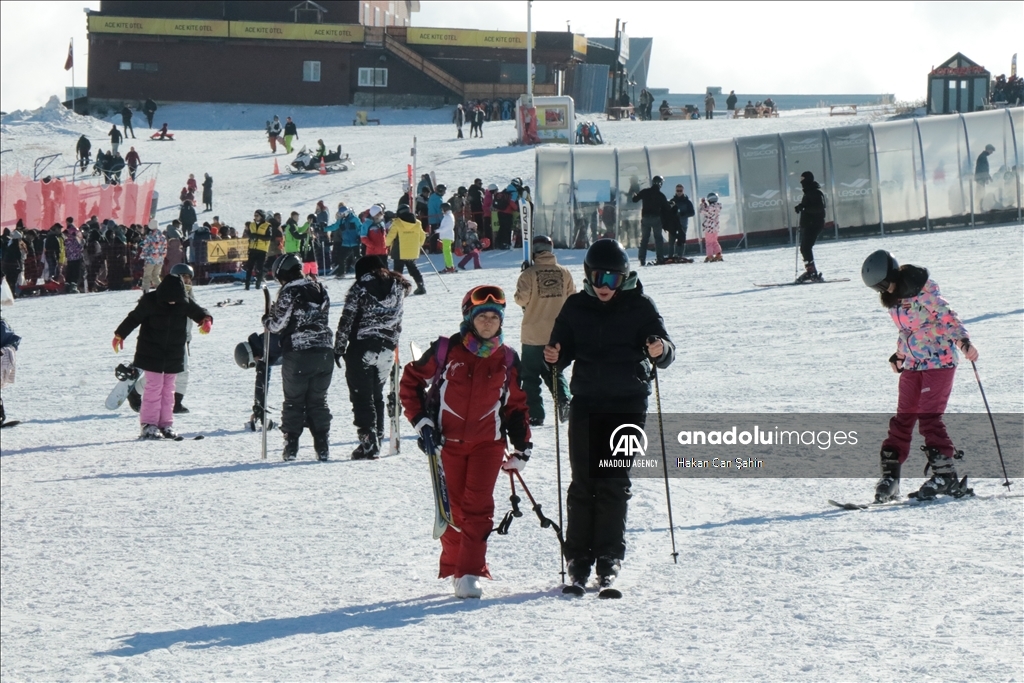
812,206
929,329
162,318
373,311
607,341
294,236
73,250
115,136
709,217
446,230
654,201
132,159
187,216
274,129
14,256
681,209
208,190
410,237
154,248
480,400
349,230
290,129
300,316
434,209
83,146
259,237
373,237
542,290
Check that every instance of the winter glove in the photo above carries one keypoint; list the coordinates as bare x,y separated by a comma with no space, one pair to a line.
337,359
896,362
206,325
118,344
655,347
967,348
516,460
426,442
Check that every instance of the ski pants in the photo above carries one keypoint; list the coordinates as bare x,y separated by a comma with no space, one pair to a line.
400,267
368,364
504,239
922,399
597,501
446,249
288,143
470,469
474,256
306,377
533,371
711,244
158,400
808,236
180,381
151,276
677,241
254,265
648,225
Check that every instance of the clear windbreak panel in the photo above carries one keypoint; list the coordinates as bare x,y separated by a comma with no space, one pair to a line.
595,180
899,178
853,185
634,175
716,172
553,194
945,149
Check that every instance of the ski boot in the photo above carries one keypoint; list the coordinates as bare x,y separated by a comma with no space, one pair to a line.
944,479
888,487
150,432
168,433
563,411
178,408
810,274
321,445
420,290
291,447
468,586
607,570
536,421
368,448
578,573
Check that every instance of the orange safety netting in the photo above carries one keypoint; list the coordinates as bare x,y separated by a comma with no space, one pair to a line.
39,205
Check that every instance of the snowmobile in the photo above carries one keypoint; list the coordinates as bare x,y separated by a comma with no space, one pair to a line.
305,161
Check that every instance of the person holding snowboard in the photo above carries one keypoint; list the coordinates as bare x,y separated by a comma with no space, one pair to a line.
475,402
930,334
613,332
541,291
249,354
812,221
162,318
367,337
300,316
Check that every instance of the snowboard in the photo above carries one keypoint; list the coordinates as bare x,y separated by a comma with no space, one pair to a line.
127,376
394,410
10,423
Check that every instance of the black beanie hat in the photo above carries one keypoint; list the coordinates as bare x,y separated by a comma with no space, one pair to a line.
368,264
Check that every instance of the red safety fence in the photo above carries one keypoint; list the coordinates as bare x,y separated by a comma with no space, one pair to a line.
40,204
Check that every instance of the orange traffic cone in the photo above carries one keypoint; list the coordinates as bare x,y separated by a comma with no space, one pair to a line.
276,169
323,167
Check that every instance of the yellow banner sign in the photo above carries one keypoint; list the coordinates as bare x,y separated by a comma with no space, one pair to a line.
579,43
333,33
196,28
224,251
464,37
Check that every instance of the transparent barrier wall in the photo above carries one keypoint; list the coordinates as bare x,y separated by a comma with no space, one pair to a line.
949,170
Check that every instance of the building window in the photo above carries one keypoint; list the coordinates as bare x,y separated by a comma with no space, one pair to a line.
311,72
152,67
373,78
125,66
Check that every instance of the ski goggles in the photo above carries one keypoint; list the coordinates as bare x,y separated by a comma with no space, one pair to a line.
606,278
487,294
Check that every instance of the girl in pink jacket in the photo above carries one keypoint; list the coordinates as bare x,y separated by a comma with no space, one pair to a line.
926,359
710,212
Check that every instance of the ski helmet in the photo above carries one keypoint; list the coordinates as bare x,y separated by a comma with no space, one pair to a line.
712,197
657,181
880,270
542,243
180,269
287,268
482,299
606,256
244,357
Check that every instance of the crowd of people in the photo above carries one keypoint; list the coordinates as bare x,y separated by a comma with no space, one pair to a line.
1009,90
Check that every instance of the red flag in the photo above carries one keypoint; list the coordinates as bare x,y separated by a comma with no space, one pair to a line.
70,62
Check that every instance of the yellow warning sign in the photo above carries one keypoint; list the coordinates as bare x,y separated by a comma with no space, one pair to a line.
226,251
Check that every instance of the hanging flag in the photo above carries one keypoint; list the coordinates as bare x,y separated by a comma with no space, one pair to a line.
70,61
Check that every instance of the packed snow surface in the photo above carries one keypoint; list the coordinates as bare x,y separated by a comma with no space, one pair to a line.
128,560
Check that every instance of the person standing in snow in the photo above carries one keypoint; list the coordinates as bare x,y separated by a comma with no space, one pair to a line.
930,334
475,402
367,337
290,133
730,101
541,291
407,237
162,318
126,121
710,220
446,233
300,317
613,332
115,139
207,192
149,109
653,208
132,160
274,133
812,221
249,354
9,343
709,106
82,149
258,232
459,119
680,212
154,252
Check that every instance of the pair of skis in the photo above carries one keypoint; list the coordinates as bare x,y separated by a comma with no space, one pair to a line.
442,504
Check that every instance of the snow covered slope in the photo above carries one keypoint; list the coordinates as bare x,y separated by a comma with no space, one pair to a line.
123,560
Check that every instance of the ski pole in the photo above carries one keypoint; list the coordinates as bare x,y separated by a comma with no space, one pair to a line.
664,459
999,450
423,251
558,456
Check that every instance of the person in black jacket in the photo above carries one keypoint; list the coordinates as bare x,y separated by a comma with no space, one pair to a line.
367,337
613,332
300,316
812,221
149,109
730,101
126,121
681,209
115,139
654,205
187,217
162,318
208,192
249,354
82,150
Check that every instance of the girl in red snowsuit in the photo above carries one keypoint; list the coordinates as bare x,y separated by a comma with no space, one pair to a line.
479,402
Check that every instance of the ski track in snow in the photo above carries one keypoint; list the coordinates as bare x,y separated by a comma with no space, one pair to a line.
124,560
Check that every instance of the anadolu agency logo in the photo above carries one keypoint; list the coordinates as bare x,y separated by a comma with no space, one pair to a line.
627,447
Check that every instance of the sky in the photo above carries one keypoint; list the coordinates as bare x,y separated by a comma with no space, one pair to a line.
756,47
